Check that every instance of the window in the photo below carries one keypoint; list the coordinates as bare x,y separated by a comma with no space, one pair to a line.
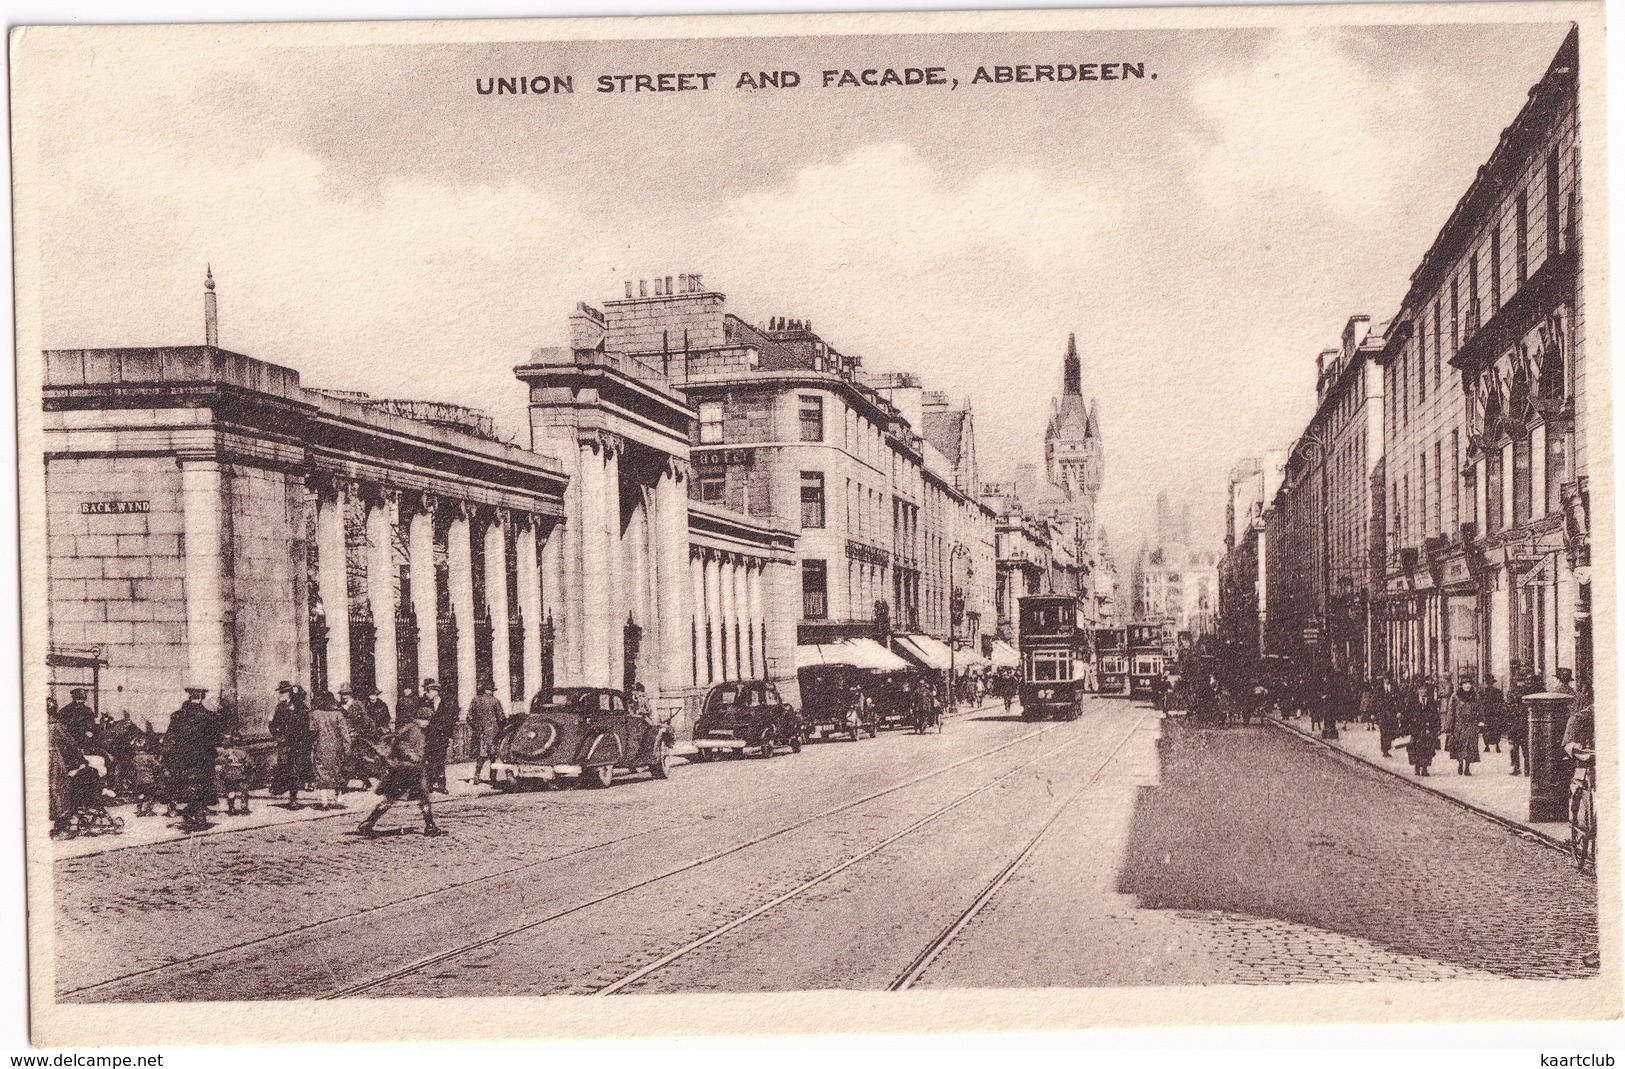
1492,492
1472,295
1469,495
1049,666
1438,487
1556,470
812,499
1438,342
710,422
1521,475
1521,213
814,590
1455,481
1554,229
812,419
713,487
1422,359
1455,318
1495,269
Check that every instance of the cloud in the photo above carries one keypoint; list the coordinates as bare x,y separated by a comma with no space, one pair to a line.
1309,120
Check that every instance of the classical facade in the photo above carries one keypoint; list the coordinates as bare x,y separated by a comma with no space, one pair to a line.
1174,580
212,520
790,431
1244,594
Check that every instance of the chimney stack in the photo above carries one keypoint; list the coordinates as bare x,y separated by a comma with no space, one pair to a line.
211,309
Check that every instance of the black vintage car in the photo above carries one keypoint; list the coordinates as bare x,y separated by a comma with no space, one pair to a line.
746,715
836,701
582,734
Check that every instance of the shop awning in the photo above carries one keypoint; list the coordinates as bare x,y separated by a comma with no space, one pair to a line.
1005,655
926,651
852,653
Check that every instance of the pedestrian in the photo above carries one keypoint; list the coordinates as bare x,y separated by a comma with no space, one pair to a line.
330,750
406,775
378,719
1463,722
145,774
1579,745
232,771
1423,728
1386,708
189,753
442,725
67,761
290,729
1516,720
486,718
78,717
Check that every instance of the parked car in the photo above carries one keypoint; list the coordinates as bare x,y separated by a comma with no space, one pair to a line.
583,734
836,702
746,715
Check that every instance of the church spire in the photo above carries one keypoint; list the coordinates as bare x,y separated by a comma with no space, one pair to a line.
1073,374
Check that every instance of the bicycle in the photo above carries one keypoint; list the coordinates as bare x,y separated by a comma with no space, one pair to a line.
1583,812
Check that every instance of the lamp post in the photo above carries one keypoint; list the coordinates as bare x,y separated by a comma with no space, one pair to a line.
1328,728
956,609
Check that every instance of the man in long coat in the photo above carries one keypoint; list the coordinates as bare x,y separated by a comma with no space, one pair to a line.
1493,710
1463,720
406,755
485,718
190,743
1422,725
290,728
1386,707
442,725
330,750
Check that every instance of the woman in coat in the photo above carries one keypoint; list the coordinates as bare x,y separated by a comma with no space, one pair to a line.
331,735
66,760
1462,721
290,727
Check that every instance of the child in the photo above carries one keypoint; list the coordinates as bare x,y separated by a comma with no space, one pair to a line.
232,770
144,776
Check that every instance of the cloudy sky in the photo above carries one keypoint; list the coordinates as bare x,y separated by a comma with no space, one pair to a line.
376,224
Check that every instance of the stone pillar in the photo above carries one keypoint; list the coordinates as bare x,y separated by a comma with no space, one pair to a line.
554,586
530,609
460,583
564,544
1506,486
744,654
713,615
634,587
332,575
600,537
730,618
496,603
1480,490
674,591
698,616
425,605
383,590
758,622
614,590
208,653
1537,472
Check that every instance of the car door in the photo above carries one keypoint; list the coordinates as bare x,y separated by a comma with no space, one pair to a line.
630,728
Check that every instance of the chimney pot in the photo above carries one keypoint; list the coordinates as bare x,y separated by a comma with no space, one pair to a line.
643,287
629,289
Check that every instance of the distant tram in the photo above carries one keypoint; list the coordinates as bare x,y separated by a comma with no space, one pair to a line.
1150,652
1055,657
1111,657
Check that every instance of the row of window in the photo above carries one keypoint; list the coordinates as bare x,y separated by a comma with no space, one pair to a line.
711,420
1448,496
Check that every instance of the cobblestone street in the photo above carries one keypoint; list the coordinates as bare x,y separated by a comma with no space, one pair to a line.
1112,848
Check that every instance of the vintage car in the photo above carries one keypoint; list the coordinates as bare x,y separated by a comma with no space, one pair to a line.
581,734
746,715
836,701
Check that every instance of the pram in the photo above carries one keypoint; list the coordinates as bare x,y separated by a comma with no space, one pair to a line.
88,799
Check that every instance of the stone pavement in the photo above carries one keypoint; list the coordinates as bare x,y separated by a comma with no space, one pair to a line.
1489,788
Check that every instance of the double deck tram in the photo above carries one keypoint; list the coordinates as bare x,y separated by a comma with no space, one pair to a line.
1056,657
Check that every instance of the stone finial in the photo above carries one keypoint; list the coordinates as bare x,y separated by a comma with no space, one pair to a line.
211,309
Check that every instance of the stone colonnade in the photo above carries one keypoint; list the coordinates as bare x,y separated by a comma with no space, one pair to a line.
430,576
728,629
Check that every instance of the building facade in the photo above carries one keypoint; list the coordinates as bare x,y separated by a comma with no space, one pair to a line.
1489,507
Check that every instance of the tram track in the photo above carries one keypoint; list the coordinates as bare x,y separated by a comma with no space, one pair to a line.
441,957
273,943
938,944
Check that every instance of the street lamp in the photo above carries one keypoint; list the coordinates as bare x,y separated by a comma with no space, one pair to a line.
1328,722
956,609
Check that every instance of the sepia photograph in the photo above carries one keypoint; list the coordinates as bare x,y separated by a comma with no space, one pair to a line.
816,524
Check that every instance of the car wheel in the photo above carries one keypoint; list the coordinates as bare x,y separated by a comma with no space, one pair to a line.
602,776
662,763
767,745
795,742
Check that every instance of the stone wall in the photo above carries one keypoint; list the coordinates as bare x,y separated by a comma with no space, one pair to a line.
117,579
